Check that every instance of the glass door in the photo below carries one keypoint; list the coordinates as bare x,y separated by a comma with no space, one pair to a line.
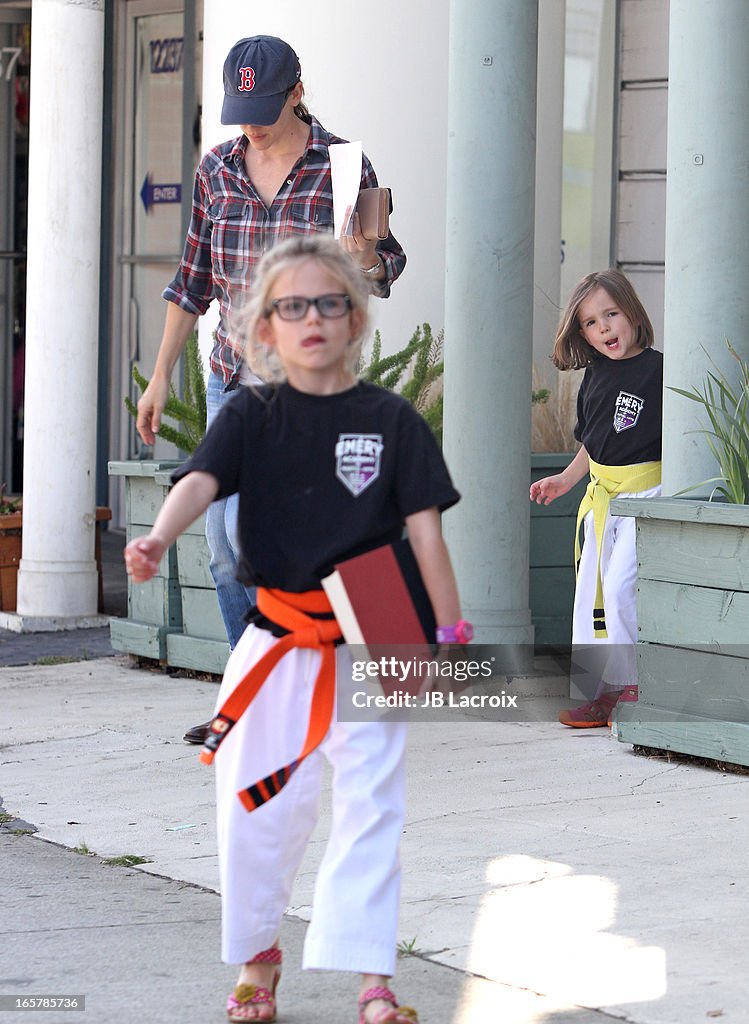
150,231
15,38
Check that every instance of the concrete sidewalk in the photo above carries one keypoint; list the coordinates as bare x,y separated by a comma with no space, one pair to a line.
550,876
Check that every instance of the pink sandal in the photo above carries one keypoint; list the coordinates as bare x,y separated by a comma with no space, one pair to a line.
395,1015
245,998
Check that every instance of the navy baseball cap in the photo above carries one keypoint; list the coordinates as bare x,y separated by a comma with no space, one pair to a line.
258,73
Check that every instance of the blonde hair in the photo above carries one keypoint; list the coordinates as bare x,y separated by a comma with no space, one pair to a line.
571,351
322,249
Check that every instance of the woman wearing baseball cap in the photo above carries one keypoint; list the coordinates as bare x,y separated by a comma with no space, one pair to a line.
270,182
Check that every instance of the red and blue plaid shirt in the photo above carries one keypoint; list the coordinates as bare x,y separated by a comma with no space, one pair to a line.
231,228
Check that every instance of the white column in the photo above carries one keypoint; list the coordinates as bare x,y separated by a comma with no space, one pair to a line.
707,217
489,307
548,198
57,577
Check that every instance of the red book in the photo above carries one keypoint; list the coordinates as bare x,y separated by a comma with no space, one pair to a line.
380,600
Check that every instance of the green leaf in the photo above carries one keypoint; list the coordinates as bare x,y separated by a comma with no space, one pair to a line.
182,411
726,406
694,487
411,372
177,437
188,412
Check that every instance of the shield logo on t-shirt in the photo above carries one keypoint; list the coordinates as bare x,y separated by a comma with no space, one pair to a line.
627,411
357,460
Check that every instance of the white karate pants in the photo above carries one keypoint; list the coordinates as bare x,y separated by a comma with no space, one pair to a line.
618,667
355,908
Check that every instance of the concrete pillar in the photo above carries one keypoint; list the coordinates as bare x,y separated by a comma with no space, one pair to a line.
57,577
707,217
489,307
548,199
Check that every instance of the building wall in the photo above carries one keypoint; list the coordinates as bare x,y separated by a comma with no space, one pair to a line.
589,92
640,201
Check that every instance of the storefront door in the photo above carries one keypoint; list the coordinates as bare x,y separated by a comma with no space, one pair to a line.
14,135
150,229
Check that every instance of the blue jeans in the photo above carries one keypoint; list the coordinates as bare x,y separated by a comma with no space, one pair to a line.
221,531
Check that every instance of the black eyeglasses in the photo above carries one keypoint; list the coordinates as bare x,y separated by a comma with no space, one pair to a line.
294,307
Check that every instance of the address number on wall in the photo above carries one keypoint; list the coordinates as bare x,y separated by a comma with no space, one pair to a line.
8,59
166,55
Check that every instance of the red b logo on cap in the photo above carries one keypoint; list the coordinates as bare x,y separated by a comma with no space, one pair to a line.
246,79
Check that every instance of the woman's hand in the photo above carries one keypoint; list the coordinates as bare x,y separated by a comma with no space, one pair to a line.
362,250
150,409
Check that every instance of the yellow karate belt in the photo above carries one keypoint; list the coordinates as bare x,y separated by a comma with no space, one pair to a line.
605,483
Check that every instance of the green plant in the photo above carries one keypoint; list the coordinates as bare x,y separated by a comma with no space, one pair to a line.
84,849
62,659
188,411
727,406
420,361
408,948
8,505
127,860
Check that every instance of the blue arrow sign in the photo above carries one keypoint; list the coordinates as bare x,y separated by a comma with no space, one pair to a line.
151,194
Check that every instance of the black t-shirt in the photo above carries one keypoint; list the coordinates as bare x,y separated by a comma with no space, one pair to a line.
321,478
619,409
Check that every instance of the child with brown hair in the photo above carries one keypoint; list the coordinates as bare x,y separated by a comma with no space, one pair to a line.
605,329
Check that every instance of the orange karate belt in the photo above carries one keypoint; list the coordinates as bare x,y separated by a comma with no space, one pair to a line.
289,611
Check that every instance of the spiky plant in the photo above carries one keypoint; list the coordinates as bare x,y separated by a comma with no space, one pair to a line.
727,406
421,363
190,410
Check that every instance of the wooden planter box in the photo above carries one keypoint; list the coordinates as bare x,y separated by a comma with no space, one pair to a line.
174,618
552,556
693,628
154,609
10,556
202,644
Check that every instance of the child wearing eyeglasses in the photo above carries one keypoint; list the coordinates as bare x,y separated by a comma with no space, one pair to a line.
326,467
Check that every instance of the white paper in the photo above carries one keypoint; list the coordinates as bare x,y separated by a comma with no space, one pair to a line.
345,173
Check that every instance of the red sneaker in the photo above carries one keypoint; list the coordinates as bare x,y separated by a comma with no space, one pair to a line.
593,715
629,693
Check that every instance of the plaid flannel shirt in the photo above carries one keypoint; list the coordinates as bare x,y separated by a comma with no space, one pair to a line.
231,228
